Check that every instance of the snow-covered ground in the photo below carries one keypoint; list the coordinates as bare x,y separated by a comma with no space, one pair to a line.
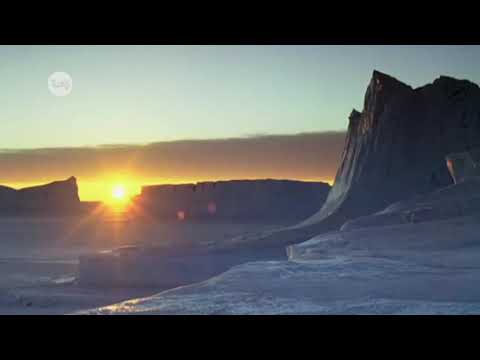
340,280
416,265
39,258
419,256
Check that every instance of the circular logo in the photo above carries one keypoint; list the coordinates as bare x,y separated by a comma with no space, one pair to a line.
60,83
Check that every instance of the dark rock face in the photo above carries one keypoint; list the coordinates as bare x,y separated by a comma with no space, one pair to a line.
253,200
396,147
56,197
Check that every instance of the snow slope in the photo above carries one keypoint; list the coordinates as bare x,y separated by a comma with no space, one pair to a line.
339,285
428,267
462,199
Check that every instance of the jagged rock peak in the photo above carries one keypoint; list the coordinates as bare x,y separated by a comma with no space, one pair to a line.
384,85
397,147
454,89
380,78
354,115
380,91
444,79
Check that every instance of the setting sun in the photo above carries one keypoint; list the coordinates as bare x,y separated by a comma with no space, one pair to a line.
119,193
120,196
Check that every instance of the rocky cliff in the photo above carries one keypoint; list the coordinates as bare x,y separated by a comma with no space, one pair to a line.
56,197
256,200
396,148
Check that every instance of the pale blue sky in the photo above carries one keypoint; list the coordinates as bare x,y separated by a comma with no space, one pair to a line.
142,94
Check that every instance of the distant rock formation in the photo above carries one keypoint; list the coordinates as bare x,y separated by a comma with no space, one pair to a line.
395,149
57,197
251,200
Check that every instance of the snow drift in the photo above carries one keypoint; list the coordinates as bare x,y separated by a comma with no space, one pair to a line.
430,266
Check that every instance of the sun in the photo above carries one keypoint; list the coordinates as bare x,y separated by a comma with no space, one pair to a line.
119,193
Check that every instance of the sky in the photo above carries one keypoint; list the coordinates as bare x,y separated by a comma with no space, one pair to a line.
127,97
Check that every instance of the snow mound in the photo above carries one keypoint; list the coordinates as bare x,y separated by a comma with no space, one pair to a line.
427,266
462,199
360,285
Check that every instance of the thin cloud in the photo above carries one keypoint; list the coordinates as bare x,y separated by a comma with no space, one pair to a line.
299,156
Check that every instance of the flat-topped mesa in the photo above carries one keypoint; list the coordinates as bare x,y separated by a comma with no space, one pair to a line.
396,147
56,197
255,200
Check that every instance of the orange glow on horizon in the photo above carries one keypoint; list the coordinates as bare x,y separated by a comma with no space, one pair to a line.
119,191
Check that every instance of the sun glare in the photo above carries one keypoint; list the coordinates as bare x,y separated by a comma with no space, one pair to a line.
119,193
